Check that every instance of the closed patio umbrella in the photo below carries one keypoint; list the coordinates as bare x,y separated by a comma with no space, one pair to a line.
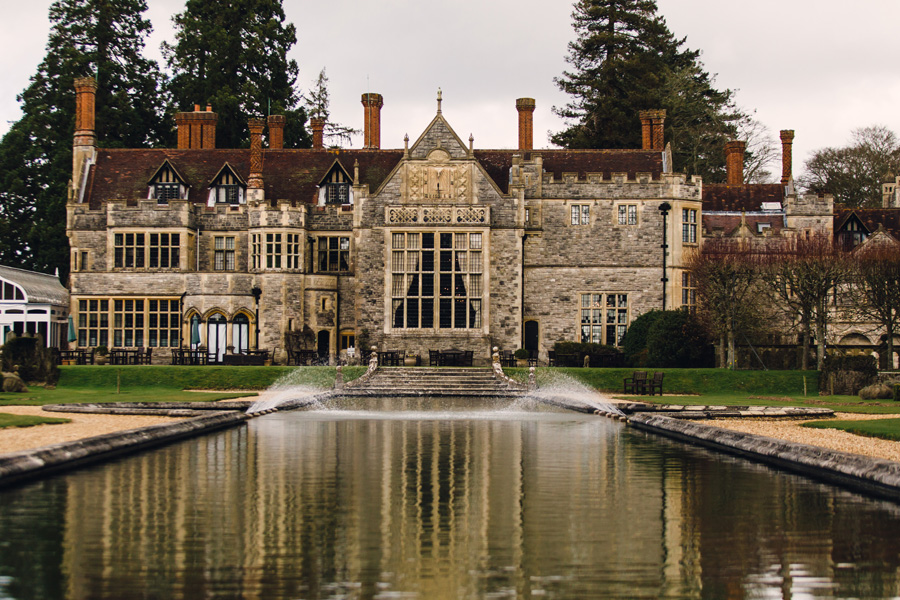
195,330
72,335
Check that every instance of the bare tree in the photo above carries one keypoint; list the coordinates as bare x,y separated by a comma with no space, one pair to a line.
726,276
761,152
802,273
874,290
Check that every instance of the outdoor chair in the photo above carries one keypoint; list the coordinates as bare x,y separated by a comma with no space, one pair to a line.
507,359
551,358
637,383
655,384
434,358
468,357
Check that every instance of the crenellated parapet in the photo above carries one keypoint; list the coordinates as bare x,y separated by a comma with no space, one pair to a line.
641,186
282,215
812,205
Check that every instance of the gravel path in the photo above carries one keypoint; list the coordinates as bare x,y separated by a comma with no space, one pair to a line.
14,439
833,439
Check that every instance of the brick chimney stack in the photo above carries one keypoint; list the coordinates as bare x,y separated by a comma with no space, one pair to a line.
652,129
84,142
525,106
196,130
317,125
734,162
372,104
255,181
787,160
85,96
276,132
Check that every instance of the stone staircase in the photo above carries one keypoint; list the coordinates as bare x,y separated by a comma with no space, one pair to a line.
436,382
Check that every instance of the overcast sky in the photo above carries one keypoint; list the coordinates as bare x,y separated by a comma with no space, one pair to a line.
820,67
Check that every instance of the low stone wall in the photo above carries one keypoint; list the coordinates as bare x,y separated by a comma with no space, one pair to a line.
868,475
30,464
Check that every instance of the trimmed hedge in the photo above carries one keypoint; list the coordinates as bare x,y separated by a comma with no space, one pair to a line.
199,377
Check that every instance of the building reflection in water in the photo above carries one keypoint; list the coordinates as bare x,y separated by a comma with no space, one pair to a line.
320,505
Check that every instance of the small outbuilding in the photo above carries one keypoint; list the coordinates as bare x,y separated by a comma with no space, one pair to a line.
33,303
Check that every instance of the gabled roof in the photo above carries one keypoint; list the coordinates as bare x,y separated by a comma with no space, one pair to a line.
729,224
289,175
40,288
871,219
721,197
498,162
165,164
335,166
230,169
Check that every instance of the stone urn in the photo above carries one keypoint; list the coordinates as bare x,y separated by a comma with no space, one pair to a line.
410,360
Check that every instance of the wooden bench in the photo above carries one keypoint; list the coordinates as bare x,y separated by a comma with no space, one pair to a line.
636,384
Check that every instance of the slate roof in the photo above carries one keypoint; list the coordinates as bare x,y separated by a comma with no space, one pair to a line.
728,224
292,175
498,162
40,288
871,218
719,197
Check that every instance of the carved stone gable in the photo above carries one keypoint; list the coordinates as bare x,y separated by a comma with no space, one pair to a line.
439,135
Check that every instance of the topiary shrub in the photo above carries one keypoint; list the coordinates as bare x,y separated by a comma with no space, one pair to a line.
634,344
35,362
572,354
677,339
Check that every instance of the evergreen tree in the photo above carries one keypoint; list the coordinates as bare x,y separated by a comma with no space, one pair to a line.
626,60
317,101
232,54
101,38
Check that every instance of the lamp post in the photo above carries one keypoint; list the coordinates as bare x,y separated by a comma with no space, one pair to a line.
257,292
664,209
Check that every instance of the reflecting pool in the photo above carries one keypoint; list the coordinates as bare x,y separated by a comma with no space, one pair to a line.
450,502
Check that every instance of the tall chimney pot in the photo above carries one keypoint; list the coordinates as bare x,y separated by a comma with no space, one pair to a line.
372,104
734,162
317,125
276,132
525,107
255,181
787,142
85,101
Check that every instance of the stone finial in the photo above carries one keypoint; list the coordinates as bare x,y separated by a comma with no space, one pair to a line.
439,101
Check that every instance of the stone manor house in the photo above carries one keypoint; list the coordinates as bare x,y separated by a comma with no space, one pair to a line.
432,246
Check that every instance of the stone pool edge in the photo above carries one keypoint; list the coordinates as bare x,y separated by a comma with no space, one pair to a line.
872,476
18,467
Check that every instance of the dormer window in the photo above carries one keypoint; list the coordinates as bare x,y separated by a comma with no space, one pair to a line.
226,188
854,232
166,184
335,187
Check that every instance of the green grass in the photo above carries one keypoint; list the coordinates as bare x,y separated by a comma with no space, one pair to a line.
152,383
7,420
886,429
719,387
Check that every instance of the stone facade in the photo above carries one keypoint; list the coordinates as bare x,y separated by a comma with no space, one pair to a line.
433,246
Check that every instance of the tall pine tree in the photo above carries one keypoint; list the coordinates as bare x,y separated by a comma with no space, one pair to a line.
101,38
232,54
624,60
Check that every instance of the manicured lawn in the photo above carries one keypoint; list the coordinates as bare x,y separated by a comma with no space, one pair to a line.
7,420
717,387
887,429
151,383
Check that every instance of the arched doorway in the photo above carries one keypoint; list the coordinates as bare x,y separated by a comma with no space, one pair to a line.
216,328
323,345
530,341
240,333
